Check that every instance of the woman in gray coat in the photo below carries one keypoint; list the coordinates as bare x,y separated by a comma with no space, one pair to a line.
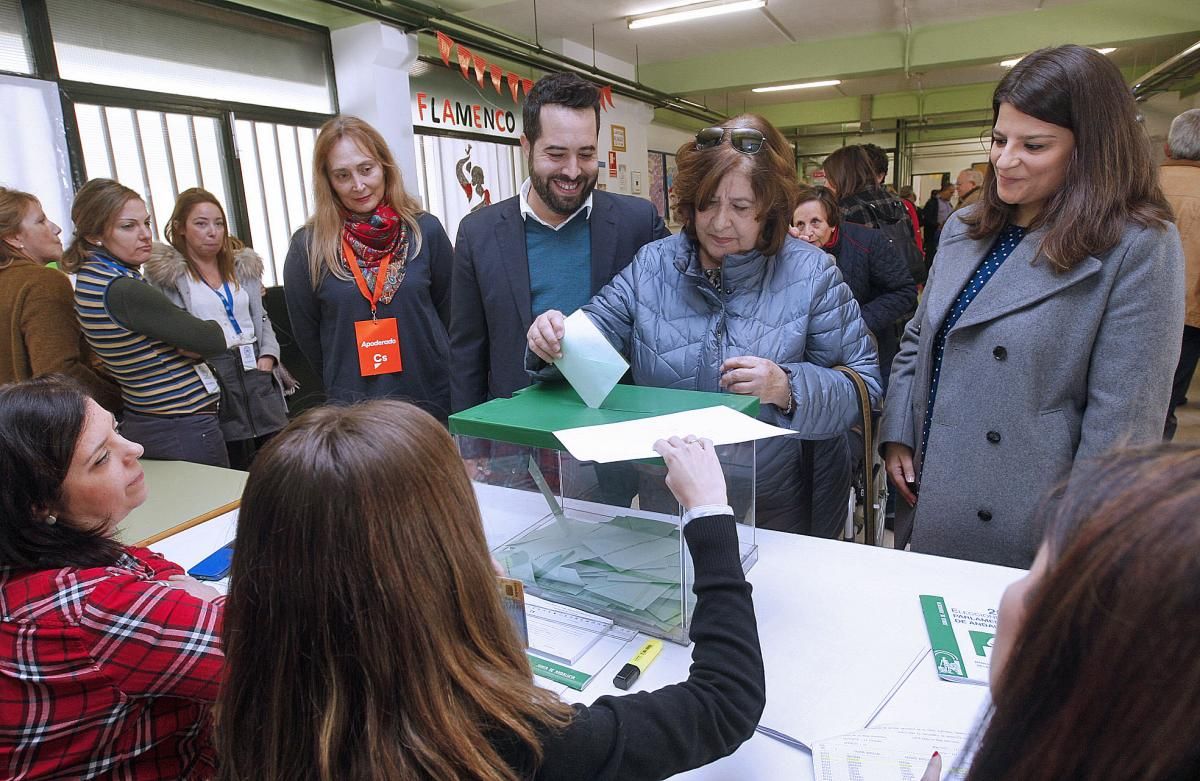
206,273
1050,325
733,303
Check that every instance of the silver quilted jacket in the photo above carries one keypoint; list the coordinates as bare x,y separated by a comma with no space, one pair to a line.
792,308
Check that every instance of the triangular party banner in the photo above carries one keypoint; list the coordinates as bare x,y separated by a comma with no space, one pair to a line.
444,47
481,66
468,60
464,61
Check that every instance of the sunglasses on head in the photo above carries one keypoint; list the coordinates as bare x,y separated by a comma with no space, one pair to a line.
746,140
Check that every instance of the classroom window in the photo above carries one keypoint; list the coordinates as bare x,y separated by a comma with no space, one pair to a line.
156,153
193,49
276,163
15,56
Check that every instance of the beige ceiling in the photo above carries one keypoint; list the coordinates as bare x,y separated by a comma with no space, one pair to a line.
917,59
944,50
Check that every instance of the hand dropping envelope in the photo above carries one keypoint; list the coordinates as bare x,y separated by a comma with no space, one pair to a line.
589,362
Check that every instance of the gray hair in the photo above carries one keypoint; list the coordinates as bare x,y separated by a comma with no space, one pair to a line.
1184,139
975,177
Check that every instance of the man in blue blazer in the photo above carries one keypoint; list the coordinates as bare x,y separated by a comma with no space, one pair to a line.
551,247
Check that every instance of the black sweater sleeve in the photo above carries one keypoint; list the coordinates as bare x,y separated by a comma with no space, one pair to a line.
653,735
145,310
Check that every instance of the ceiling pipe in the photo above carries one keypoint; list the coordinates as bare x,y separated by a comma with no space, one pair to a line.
1182,66
422,16
912,127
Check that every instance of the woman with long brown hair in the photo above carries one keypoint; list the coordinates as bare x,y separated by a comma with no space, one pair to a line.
1095,673
37,309
150,346
365,638
212,275
1050,326
367,279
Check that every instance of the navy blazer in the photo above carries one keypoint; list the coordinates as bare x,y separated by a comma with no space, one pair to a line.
490,299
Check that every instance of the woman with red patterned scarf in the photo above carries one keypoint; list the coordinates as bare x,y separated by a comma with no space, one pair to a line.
367,279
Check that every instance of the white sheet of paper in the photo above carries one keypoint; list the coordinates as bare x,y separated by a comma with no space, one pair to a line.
589,362
887,753
635,438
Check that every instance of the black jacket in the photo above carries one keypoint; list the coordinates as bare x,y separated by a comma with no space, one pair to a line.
654,735
882,285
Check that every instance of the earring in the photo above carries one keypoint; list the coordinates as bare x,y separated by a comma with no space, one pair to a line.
51,520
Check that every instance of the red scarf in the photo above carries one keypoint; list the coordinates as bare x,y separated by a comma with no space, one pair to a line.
372,238
833,239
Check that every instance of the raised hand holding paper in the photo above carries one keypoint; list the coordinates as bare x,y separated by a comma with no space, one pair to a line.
588,361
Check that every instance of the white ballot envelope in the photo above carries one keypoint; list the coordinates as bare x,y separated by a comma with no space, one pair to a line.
635,438
589,362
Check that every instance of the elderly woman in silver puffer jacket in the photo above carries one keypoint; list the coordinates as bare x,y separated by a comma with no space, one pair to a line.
733,303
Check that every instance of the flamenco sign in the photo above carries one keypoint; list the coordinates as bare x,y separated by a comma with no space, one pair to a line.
451,114
444,101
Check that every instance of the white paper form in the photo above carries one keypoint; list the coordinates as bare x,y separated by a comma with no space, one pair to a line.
635,439
589,362
887,753
559,633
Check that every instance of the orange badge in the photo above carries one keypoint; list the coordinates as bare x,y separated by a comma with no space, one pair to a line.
378,346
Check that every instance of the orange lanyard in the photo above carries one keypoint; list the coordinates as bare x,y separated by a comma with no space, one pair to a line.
380,279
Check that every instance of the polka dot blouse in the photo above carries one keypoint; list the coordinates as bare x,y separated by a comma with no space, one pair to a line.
1008,240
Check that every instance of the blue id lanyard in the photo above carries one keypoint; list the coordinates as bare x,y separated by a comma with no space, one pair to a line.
227,300
120,268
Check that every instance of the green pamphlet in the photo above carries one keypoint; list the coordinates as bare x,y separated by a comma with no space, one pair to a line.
961,640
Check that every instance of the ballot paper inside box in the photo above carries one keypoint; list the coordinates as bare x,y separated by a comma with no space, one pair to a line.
601,537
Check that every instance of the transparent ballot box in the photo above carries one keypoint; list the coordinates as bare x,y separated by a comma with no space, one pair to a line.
604,538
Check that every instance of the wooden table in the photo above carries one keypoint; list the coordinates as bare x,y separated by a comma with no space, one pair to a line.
180,495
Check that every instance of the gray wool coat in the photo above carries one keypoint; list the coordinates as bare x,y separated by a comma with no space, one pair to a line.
1043,372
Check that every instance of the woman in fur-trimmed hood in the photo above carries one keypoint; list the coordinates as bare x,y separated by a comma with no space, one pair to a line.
214,276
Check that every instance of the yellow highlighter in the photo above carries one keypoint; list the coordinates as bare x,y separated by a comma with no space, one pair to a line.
637,665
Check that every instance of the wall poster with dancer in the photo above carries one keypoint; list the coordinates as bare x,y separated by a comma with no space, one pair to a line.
459,176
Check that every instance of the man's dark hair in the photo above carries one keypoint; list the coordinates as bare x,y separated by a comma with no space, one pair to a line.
558,89
878,158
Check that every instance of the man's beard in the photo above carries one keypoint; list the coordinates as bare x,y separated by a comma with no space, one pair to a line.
560,204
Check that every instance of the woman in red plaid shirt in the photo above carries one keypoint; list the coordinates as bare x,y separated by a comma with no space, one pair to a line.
109,655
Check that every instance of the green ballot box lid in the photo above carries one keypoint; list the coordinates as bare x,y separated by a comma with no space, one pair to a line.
533,414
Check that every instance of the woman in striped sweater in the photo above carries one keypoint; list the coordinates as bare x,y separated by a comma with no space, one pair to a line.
151,347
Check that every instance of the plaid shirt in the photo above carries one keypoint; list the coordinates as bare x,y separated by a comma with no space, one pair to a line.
106,673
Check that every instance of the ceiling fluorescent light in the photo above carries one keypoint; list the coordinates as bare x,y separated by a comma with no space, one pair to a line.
693,12
806,85
1010,63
